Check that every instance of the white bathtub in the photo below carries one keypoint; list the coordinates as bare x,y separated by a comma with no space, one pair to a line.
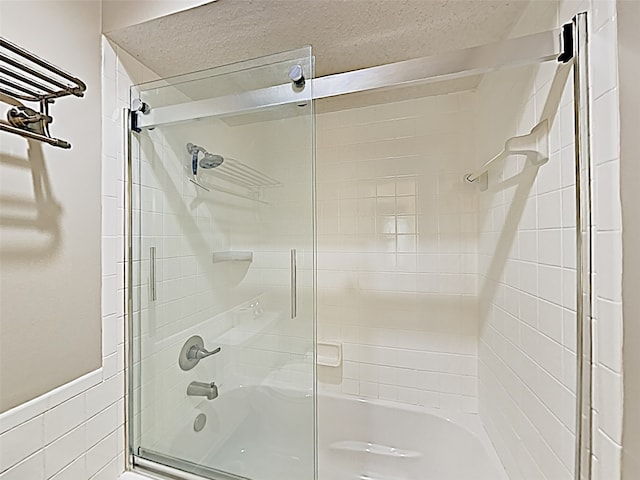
264,433
376,440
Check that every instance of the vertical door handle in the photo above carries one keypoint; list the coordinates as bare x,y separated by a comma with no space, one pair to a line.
152,274
294,285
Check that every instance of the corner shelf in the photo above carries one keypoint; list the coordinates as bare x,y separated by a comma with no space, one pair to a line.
219,257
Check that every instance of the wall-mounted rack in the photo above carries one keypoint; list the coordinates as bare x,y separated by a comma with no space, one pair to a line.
204,168
26,77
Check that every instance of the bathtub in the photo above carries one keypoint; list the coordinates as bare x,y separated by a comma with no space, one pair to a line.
362,439
263,433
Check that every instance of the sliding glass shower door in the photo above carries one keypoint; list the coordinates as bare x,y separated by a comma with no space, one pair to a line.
223,271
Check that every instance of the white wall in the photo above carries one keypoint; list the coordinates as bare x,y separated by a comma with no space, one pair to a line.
118,14
629,50
50,214
76,432
397,251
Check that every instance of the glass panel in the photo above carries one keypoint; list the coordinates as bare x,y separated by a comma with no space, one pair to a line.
455,301
227,203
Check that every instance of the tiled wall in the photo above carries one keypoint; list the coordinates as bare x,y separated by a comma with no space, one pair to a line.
74,432
607,242
397,250
527,295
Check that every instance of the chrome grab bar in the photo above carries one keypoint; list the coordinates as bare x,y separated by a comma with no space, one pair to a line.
56,142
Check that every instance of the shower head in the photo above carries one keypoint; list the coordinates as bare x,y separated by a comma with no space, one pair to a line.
208,161
211,161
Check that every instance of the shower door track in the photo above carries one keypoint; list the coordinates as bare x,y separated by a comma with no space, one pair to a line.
157,463
520,51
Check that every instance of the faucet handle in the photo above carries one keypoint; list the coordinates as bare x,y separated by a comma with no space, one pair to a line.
197,353
193,351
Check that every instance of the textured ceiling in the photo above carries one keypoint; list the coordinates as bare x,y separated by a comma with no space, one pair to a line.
345,34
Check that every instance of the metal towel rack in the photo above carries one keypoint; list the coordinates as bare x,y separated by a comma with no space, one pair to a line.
26,77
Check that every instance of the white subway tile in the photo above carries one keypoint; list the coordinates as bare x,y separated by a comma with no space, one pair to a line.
110,297
112,470
550,210
64,450
21,441
369,390
23,413
550,283
604,54
101,396
550,247
606,122
609,334
607,197
74,471
31,468
64,417
109,335
609,403
102,424
608,267
98,456
609,456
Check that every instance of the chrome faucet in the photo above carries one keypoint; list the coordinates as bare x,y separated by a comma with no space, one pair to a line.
193,351
202,389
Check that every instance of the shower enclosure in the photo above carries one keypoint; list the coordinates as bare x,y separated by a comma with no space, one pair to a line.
423,297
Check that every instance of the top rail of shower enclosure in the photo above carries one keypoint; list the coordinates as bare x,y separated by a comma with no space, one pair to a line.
520,51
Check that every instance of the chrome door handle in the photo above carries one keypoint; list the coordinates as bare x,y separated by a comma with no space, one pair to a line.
153,296
294,284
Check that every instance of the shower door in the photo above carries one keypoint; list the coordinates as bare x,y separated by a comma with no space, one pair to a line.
222,320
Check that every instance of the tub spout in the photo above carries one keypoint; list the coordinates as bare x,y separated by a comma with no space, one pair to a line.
202,389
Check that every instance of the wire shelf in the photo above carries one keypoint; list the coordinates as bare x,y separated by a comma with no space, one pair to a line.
26,77
226,174
241,174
